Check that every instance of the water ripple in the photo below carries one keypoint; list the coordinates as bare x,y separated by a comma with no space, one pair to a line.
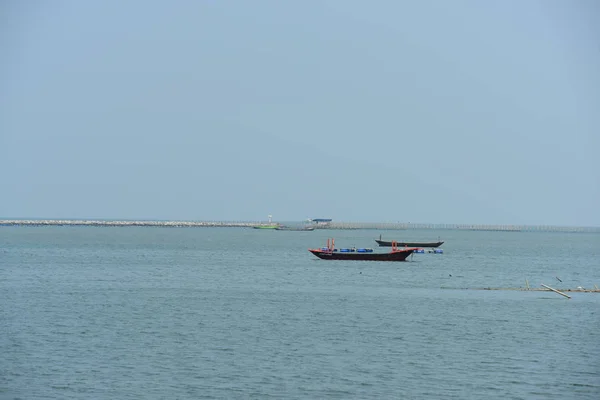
147,313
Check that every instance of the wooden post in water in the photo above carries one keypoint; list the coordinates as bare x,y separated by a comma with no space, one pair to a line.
554,290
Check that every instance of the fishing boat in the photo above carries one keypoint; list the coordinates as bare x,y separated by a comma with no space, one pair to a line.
360,254
383,243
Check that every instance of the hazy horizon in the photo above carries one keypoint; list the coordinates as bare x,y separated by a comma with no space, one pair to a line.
463,112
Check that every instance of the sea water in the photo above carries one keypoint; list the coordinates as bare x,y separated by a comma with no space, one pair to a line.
227,313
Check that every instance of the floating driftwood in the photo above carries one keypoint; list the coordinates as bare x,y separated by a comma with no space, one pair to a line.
556,291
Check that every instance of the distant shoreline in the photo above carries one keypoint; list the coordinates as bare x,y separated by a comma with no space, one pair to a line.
331,225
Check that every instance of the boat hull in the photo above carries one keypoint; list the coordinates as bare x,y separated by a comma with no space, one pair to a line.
383,243
398,255
266,226
295,229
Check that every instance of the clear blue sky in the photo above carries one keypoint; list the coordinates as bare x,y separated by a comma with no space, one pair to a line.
422,111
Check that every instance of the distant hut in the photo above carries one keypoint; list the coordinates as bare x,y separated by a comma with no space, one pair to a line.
321,222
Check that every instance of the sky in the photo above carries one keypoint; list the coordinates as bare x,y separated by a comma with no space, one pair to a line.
415,111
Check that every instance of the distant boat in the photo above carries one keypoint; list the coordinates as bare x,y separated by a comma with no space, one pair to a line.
383,243
298,228
270,225
354,254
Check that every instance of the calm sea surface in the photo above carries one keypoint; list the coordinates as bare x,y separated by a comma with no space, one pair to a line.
177,313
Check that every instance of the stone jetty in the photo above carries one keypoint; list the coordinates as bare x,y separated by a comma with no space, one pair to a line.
178,224
329,225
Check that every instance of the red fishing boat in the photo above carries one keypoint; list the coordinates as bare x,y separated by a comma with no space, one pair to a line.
361,254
